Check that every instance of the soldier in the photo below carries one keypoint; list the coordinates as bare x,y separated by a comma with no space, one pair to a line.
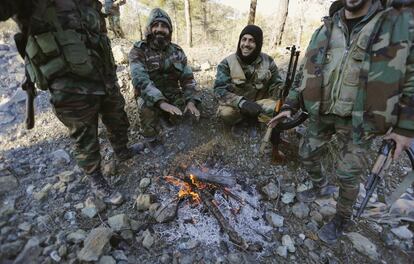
157,68
247,82
357,82
114,16
69,54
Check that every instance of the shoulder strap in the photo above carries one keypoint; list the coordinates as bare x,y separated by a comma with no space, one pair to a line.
236,71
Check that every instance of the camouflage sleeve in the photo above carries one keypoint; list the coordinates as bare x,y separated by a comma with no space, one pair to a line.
275,82
293,99
8,8
188,82
141,80
223,86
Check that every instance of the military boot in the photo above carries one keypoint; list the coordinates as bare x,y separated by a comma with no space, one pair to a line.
316,192
155,145
330,232
102,190
128,153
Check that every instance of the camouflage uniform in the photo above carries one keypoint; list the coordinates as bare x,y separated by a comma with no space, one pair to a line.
159,75
69,54
258,81
355,91
114,16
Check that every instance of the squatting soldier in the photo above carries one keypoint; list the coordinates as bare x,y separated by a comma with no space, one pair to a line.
69,54
357,82
163,82
114,16
247,81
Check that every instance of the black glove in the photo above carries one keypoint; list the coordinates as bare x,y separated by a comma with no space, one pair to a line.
250,109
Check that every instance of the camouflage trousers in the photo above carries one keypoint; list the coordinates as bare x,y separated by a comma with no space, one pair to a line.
115,25
150,116
350,164
80,114
231,115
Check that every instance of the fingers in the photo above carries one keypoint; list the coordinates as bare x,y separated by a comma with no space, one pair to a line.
273,122
397,152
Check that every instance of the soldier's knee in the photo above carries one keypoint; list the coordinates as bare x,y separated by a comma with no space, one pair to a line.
229,115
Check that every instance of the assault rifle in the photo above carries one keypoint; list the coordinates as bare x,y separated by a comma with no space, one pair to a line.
27,85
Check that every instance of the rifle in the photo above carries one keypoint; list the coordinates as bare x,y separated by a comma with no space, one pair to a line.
21,40
273,134
381,164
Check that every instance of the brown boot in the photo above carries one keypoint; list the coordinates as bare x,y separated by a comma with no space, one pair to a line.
330,232
316,192
127,153
102,190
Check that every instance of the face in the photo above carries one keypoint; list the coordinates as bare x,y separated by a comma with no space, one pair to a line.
354,5
160,29
247,45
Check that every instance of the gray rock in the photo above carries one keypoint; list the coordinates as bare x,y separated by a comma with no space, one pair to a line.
30,253
288,197
300,210
310,244
288,242
89,212
107,260
166,213
189,244
8,183
66,176
96,203
119,222
95,244
143,202
402,232
127,234
282,251
63,251
274,219
60,157
327,211
55,256
271,191
25,226
363,245
165,258
11,249
144,183
42,194
235,258
77,237
109,168
7,206
316,216
149,240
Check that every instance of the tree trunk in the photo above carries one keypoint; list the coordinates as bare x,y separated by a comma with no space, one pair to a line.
139,26
252,12
188,23
204,22
281,22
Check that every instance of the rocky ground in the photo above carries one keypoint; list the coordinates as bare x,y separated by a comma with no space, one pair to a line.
47,213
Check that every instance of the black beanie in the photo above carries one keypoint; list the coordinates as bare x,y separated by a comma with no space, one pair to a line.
257,34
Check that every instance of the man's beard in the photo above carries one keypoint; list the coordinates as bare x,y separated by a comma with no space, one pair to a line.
354,8
160,40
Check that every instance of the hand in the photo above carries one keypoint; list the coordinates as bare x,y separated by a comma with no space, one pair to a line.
171,109
250,108
193,109
275,120
402,143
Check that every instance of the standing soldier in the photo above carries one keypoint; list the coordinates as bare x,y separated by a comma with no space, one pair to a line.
357,82
68,53
247,82
114,16
163,82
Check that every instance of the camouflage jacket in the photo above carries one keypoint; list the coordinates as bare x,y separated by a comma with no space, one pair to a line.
67,47
156,74
385,95
261,80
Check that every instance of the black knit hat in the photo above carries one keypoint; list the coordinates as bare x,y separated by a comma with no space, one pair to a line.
257,34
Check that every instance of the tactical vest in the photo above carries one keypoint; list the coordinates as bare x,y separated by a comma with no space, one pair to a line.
342,68
67,38
252,88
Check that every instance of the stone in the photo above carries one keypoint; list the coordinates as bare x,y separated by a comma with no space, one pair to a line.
109,168
8,183
316,216
7,206
11,249
271,191
310,244
42,194
96,203
25,226
300,210
119,255
66,176
30,253
288,242
127,234
60,157
205,66
165,258
55,256
144,183
274,220
282,251
63,251
135,225
119,222
95,244
107,260
148,239
166,213
327,211
154,207
363,245
189,244
143,202
288,197
235,258
89,212
402,232
76,237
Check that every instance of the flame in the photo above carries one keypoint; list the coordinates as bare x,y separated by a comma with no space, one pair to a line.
185,188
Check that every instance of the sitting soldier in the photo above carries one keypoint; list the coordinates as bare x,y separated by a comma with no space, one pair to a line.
247,82
163,82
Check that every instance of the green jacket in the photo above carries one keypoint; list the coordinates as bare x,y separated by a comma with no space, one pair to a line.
385,95
255,81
